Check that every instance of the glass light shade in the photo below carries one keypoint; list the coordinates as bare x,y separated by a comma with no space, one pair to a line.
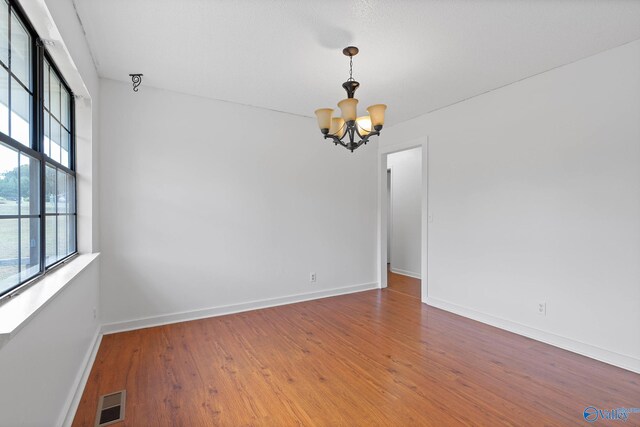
348,107
377,114
324,117
364,125
337,127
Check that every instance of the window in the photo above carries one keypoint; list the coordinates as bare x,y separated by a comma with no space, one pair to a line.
37,176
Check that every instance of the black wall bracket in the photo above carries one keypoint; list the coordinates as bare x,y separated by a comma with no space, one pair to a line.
136,79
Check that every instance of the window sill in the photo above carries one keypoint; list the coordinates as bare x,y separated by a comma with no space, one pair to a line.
16,312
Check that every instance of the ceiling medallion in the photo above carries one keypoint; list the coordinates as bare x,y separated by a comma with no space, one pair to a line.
345,130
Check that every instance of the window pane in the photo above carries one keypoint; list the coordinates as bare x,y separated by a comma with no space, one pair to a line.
20,113
55,95
62,192
71,230
63,248
65,108
29,183
46,143
8,254
46,86
55,140
4,33
50,249
50,190
71,194
4,101
30,247
20,51
65,157
8,181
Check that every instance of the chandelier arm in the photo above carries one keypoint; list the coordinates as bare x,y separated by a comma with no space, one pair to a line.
358,132
353,129
352,144
366,138
336,140
373,133
361,142
344,126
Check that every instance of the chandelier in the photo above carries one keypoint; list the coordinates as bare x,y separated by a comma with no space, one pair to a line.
349,130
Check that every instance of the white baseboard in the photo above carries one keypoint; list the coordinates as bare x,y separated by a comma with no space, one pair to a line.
612,358
406,273
165,319
73,400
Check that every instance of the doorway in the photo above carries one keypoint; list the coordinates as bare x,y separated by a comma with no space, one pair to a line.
404,182
403,218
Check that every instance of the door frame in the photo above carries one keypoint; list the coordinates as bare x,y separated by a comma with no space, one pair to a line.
383,203
389,212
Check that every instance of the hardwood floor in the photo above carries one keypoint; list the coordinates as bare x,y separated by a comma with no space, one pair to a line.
404,284
372,358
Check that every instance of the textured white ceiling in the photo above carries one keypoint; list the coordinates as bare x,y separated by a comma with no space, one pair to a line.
285,55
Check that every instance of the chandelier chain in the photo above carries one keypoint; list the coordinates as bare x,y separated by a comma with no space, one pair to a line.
350,68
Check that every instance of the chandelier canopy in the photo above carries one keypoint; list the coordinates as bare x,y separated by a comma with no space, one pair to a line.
348,128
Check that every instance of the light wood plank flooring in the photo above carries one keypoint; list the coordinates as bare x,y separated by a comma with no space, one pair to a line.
404,284
373,358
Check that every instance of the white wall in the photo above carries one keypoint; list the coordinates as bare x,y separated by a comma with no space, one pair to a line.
534,190
41,365
208,204
406,211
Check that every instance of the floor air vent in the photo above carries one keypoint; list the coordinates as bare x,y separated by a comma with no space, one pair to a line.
111,408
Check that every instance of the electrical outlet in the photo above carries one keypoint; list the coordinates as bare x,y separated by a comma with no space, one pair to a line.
312,277
542,308
95,313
